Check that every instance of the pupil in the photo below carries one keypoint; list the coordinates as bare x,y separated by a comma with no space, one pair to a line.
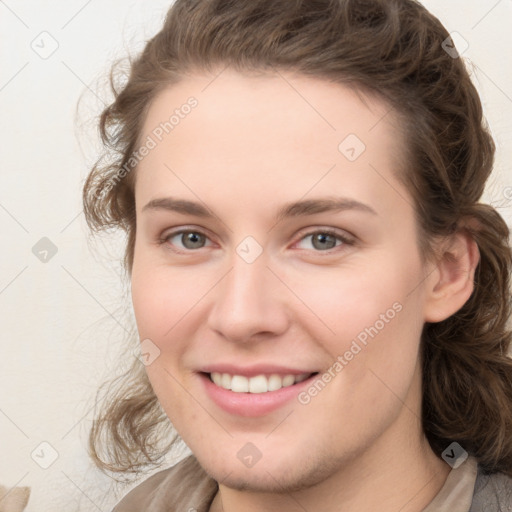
321,239
192,240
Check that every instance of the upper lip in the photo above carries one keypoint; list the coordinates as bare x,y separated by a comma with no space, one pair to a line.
253,370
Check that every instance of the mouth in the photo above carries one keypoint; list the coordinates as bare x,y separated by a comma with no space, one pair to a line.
256,395
257,384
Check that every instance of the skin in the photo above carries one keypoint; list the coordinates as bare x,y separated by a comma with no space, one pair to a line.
253,144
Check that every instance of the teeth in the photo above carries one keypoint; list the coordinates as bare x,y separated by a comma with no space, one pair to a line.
258,384
225,381
274,383
240,384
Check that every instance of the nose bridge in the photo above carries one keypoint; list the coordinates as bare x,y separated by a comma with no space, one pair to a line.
249,280
245,290
246,302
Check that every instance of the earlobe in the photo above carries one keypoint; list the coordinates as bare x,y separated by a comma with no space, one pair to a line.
451,283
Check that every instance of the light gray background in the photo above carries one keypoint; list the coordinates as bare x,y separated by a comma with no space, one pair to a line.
63,320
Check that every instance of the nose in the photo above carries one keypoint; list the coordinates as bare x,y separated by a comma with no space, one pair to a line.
248,303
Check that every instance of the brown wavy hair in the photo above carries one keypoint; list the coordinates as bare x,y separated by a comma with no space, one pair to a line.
394,49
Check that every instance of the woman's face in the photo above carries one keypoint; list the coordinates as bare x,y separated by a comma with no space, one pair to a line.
276,253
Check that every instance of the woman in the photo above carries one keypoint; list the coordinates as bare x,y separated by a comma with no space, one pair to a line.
321,298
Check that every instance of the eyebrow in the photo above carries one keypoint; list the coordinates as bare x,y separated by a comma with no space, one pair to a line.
289,210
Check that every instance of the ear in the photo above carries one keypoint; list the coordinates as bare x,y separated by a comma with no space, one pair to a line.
451,283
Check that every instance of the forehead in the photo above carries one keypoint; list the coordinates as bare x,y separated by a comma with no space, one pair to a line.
255,130
309,106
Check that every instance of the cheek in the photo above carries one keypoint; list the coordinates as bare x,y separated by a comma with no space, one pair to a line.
162,296
352,298
146,299
157,301
373,355
369,319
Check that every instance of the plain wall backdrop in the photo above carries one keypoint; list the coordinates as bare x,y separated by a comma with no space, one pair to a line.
64,307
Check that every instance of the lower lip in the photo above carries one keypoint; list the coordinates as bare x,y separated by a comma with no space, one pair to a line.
252,404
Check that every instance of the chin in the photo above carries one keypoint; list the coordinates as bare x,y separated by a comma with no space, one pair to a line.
271,476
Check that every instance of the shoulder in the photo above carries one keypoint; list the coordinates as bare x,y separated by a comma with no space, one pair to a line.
493,493
141,495
183,486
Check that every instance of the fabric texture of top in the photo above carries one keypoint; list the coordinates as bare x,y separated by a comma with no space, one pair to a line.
186,487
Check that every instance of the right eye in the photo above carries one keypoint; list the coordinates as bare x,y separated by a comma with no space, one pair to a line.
190,240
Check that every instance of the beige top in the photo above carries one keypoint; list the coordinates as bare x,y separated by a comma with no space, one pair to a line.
186,487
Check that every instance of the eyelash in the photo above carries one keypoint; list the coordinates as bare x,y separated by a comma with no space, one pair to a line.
345,241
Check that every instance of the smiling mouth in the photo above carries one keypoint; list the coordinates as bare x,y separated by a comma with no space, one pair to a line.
258,383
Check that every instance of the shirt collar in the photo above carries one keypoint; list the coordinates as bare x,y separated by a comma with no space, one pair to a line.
456,494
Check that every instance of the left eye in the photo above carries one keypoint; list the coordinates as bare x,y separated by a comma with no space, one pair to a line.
324,240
